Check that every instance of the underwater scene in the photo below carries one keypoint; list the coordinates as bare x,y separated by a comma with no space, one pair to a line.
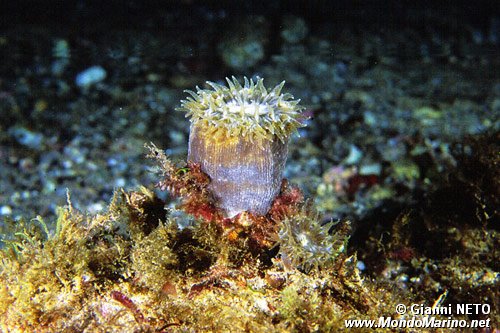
239,166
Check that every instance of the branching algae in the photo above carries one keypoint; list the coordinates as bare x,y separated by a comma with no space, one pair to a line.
262,264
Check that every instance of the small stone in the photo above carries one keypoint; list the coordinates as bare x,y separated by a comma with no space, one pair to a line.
370,169
120,182
369,119
355,155
61,49
5,210
90,76
27,138
49,186
262,305
95,208
67,164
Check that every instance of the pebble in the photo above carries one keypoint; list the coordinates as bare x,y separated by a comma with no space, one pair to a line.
361,265
95,207
355,155
5,210
27,138
370,119
61,54
262,305
90,76
49,186
370,169
120,182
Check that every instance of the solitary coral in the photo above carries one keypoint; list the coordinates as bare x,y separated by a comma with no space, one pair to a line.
239,135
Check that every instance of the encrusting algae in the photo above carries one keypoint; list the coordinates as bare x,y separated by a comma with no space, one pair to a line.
139,268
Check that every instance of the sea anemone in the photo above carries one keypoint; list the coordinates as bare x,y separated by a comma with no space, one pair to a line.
306,244
239,135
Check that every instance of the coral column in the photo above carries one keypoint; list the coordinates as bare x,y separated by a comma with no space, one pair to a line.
244,176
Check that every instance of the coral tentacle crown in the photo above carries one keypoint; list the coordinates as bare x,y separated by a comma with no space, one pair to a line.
249,111
239,134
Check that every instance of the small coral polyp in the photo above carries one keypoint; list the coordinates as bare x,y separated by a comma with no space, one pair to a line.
239,135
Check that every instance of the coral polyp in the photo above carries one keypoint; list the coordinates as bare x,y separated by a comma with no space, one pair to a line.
239,136
250,111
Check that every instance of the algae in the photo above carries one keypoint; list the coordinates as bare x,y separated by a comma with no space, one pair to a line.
139,268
